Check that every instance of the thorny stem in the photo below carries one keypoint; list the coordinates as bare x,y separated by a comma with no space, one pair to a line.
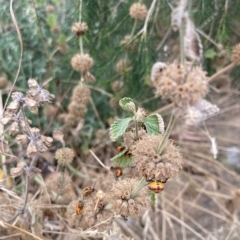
166,134
138,188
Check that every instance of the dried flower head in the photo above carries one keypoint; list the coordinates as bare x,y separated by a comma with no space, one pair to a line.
157,69
124,203
4,148
38,94
117,85
79,28
128,43
122,66
55,29
138,11
81,63
81,94
49,8
183,86
59,186
18,171
38,142
3,81
58,136
50,111
155,166
236,54
130,140
64,155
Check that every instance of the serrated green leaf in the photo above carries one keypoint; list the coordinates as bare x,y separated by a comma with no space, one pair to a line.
127,104
210,53
118,128
121,160
154,124
52,20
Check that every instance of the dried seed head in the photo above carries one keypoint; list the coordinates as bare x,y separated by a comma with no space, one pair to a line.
12,108
60,187
13,128
38,94
22,139
4,148
81,94
116,85
138,11
16,172
31,149
128,43
49,8
79,29
31,104
182,86
58,136
157,167
89,77
123,203
55,29
236,54
50,111
122,66
3,81
81,63
64,155
129,138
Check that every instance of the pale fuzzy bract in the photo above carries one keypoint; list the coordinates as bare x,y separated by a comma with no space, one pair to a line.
192,42
157,69
201,111
155,166
178,14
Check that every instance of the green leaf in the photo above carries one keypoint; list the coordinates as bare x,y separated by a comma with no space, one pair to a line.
52,20
154,124
118,128
61,39
210,53
121,160
127,104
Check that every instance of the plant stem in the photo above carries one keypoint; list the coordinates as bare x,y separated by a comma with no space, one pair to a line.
182,45
166,135
136,126
138,187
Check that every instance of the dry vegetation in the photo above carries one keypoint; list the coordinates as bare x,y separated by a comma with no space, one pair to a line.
119,121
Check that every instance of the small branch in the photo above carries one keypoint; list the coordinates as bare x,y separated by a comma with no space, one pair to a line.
98,160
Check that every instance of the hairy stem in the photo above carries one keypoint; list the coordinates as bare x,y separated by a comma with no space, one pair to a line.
166,134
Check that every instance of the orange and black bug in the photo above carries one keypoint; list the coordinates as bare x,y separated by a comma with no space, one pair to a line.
120,149
156,186
87,191
79,207
117,171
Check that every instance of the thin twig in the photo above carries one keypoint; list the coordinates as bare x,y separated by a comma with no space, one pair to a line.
98,160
